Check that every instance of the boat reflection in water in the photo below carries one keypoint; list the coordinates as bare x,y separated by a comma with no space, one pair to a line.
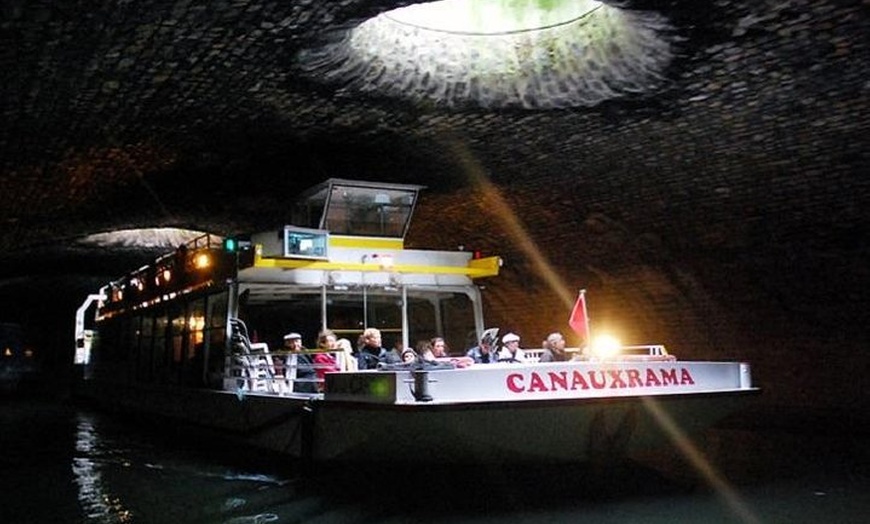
73,465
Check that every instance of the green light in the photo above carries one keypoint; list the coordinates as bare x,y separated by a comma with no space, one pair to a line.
379,388
231,245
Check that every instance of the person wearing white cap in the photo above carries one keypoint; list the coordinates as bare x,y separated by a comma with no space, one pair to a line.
305,377
510,351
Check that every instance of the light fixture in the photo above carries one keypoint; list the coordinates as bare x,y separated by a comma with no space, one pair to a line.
201,261
606,346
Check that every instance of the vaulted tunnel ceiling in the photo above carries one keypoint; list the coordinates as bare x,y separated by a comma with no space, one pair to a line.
700,167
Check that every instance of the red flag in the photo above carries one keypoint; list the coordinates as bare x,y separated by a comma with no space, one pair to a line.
579,320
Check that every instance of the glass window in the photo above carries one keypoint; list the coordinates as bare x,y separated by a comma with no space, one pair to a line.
369,211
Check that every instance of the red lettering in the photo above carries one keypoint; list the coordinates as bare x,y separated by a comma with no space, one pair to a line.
578,381
558,380
686,377
536,383
634,378
616,376
595,383
652,379
597,379
669,377
514,384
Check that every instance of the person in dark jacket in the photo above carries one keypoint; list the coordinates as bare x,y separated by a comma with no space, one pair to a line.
305,381
554,349
371,352
484,352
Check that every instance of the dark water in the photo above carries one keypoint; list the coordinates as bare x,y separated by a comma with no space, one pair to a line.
64,464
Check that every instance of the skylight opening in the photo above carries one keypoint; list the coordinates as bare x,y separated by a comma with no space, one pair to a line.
491,17
159,237
534,54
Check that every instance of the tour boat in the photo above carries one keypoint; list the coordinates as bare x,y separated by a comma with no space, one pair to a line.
197,337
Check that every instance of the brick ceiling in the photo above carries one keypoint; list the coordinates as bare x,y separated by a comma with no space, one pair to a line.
732,198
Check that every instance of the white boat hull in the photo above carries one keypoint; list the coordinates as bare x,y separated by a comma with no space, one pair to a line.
571,425
575,430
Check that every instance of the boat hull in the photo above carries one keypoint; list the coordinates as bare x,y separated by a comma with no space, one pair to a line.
574,430
254,421
555,431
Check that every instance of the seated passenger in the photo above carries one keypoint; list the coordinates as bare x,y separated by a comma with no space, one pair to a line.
554,349
424,350
347,360
324,362
510,351
409,356
483,353
439,348
305,375
393,356
370,353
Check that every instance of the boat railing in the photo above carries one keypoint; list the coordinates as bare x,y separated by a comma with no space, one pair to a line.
645,352
282,373
277,372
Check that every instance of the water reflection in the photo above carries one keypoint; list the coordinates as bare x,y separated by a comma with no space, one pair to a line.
125,473
98,504
99,469
701,463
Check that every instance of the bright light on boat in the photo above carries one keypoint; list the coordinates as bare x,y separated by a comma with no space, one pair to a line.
202,261
606,346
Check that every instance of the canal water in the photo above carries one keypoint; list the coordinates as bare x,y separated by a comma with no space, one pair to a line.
60,463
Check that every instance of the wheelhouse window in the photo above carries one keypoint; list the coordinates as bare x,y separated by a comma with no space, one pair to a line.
348,208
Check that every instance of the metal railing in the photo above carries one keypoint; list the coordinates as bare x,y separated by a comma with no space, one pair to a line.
278,372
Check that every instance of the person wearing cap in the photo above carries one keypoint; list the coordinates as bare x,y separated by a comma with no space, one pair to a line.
305,378
484,352
510,351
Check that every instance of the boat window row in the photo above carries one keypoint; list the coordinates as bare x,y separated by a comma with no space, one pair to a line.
182,342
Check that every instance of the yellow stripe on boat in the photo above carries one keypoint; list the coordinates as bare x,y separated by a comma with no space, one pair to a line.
477,268
366,242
